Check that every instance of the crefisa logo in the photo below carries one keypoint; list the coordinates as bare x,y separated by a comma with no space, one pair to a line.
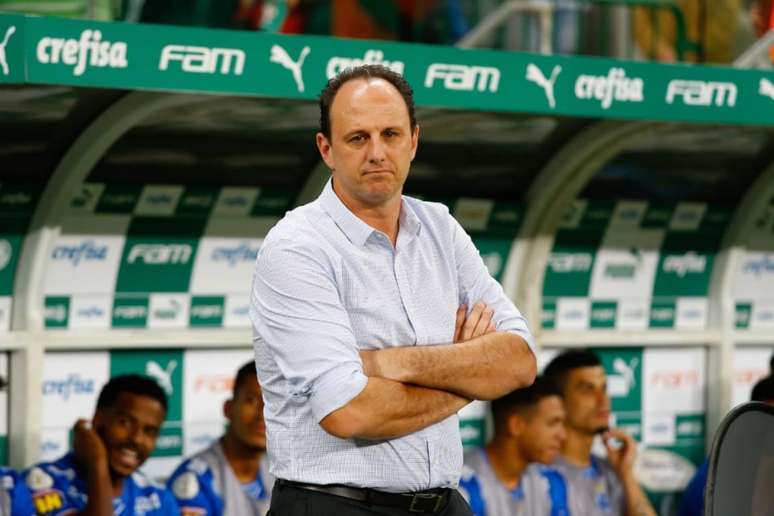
90,50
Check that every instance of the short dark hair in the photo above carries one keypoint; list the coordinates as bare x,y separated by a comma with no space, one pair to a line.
244,373
133,384
562,364
763,390
526,398
328,94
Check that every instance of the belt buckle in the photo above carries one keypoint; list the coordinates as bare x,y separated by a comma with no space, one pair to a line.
421,498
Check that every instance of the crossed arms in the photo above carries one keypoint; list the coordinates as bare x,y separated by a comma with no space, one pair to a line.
299,316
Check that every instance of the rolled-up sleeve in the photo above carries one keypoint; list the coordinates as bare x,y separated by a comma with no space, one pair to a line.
297,314
476,284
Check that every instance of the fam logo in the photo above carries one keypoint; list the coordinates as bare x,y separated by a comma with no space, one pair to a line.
213,383
72,385
338,64
701,93
676,379
535,74
192,59
766,88
463,78
614,86
162,375
87,251
90,50
280,56
161,254
3,56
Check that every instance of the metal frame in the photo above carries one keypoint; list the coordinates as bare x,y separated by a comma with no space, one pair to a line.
544,10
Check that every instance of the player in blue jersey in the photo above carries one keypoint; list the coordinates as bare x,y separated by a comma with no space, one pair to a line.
230,477
509,477
100,476
15,499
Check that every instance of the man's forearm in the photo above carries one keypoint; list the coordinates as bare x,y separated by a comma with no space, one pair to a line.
483,368
387,409
100,491
636,500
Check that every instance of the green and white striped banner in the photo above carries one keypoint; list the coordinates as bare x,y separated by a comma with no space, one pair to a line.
632,265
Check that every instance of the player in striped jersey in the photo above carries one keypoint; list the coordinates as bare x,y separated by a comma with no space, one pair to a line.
509,477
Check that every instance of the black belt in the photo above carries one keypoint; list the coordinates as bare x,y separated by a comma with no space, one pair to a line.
432,500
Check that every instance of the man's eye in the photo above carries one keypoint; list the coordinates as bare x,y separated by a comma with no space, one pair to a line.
357,138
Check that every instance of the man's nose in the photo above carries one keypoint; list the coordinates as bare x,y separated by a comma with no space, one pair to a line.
376,150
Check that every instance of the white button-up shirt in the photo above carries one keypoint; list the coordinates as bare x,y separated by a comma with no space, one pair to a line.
326,286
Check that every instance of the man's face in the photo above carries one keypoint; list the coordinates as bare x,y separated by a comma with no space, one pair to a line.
129,430
245,414
543,431
586,402
371,144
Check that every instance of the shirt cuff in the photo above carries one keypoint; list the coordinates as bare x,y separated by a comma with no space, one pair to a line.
335,388
526,335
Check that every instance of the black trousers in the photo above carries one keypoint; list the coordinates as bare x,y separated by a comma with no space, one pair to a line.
294,501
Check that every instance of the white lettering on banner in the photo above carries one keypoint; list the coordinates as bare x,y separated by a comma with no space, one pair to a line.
280,56
56,313
764,265
570,262
3,55
81,53
614,86
72,385
87,251
681,265
766,88
233,255
204,60
206,311
130,312
338,64
534,74
464,78
160,254
702,93
16,199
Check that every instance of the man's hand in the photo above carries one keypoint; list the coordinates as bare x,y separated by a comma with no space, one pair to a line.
622,458
477,323
88,446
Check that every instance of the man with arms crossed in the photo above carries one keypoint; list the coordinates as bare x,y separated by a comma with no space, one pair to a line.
354,304
100,476
509,477
596,486
230,476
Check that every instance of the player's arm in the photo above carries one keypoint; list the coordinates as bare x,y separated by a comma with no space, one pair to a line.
297,312
92,455
484,365
622,459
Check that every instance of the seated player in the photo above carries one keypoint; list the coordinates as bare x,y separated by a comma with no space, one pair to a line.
230,477
15,499
595,486
100,476
509,477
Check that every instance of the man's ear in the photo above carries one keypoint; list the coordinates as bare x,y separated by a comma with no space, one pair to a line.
414,142
324,146
228,407
515,425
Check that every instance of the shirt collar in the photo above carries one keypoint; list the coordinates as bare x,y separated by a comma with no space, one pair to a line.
353,227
